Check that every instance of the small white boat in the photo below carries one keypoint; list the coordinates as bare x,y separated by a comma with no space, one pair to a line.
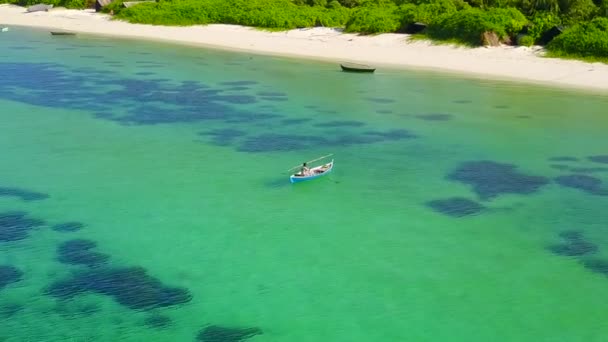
313,172
4,29
63,33
354,67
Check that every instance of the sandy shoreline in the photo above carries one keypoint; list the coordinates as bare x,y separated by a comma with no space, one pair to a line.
390,50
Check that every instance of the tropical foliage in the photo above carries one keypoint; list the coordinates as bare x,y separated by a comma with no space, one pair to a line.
587,40
568,28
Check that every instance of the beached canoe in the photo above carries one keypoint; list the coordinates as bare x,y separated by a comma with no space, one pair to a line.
39,8
315,172
63,33
353,67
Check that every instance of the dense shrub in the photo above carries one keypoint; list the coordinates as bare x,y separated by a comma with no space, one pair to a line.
467,26
541,23
484,4
525,41
374,18
587,40
603,9
578,10
510,21
429,12
279,14
532,7
349,3
115,6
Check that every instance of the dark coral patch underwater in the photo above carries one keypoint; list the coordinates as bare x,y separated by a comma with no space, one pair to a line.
563,159
224,137
216,333
599,159
271,94
9,275
295,121
574,245
340,123
190,101
274,98
68,227
129,286
80,252
239,83
395,134
588,169
456,206
434,117
490,179
158,321
380,100
131,101
23,194
15,225
237,88
285,142
10,309
279,142
145,73
596,265
588,184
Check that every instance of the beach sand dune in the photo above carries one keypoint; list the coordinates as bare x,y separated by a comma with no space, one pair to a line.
389,50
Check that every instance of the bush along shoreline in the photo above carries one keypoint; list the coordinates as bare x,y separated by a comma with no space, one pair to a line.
566,28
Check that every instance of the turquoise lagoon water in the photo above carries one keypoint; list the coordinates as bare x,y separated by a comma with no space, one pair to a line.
458,210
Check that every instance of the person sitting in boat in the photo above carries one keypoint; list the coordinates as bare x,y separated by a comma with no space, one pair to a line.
304,171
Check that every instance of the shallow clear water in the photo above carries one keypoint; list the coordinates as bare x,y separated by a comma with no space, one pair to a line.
175,160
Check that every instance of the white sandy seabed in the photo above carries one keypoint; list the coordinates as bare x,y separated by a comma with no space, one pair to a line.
390,50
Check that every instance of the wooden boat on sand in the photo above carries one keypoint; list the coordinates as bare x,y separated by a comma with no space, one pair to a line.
312,173
63,33
354,67
39,8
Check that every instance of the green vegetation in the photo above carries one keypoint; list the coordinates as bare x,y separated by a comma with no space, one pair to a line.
275,14
585,40
540,24
469,25
374,17
568,28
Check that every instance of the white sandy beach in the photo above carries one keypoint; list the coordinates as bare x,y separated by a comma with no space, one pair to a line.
390,50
